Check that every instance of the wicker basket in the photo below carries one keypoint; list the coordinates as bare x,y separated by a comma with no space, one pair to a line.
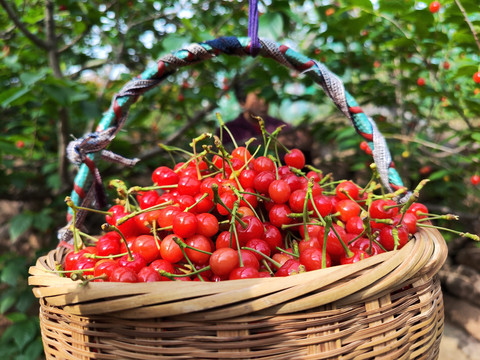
385,307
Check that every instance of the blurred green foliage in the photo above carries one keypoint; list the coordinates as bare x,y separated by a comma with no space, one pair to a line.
62,62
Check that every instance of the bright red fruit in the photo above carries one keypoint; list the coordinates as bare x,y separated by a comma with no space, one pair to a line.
279,191
223,261
289,267
147,246
387,237
163,175
295,158
123,274
278,215
243,273
184,224
312,259
421,81
346,190
170,250
207,224
105,267
434,7
148,274
136,263
202,245
476,77
475,179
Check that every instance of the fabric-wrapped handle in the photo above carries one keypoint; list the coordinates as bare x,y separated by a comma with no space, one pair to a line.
86,150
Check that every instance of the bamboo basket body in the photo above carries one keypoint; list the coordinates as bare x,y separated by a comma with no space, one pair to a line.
385,307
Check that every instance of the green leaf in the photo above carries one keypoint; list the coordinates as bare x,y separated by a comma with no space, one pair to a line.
13,94
270,26
31,78
466,70
12,271
438,174
7,300
476,136
19,224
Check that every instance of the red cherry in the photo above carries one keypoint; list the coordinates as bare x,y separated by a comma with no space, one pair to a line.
383,209
334,245
312,258
434,7
263,163
242,154
278,215
259,245
366,245
446,65
105,267
419,210
346,190
162,264
147,246
243,273
476,77
223,261
421,81
273,237
279,191
148,274
347,209
134,264
387,238
356,256
170,250
207,224
289,267
20,144
354,225
295,158
201,243
163,175
109,244
247,177
254,229
123,274
184,224
475,179
262,181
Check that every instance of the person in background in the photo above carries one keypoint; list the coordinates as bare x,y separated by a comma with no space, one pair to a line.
246,125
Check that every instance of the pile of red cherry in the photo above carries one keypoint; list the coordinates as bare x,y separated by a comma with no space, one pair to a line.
222,216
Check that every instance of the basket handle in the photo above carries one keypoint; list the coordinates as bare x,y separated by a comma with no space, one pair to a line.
86,150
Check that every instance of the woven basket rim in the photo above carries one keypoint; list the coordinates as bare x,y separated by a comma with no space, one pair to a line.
372,277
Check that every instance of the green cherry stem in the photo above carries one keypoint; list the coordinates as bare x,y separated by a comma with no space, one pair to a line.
224,127
328,225
218,200
266,257
182,246
174,276
142,211
108,227
345,247
459,233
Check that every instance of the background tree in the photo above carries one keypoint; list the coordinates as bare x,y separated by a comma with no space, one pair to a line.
411,66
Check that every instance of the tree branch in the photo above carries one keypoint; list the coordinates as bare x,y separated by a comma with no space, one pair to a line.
469,23
34,39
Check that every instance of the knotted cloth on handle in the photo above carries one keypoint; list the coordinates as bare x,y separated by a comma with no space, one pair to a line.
86,151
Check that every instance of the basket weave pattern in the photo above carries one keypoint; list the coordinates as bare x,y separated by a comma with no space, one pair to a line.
385,307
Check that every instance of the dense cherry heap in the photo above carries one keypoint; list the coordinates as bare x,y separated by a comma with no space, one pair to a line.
223,216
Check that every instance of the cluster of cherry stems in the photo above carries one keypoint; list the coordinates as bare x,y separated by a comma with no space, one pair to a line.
232,215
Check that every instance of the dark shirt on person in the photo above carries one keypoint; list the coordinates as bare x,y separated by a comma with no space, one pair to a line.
242,130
